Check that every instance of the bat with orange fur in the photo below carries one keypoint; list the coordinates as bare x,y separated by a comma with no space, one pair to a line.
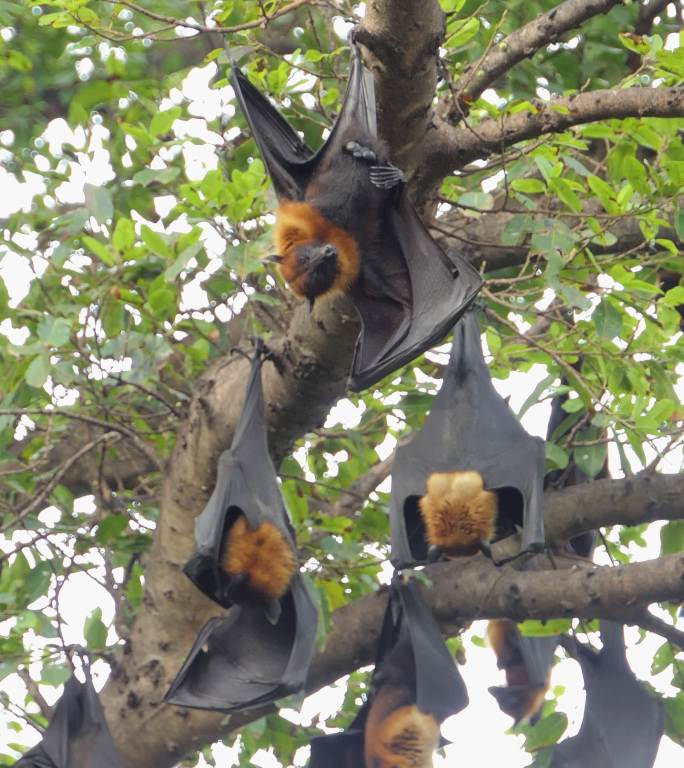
346,224
415,687
527,663
245,548
472,474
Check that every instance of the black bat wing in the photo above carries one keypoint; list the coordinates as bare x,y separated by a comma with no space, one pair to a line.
623,723
338,750
440,689
243,660
246,483
78,736
410,296
290,163
409,632
470,427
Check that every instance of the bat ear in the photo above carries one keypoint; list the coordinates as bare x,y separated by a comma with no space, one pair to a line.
273,258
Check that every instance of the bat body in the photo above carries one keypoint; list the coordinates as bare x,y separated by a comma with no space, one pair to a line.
472,473
245,548
397,733
345,223
78,735
623,723
523,696
245,560
415,687
259,562
244,659
458,513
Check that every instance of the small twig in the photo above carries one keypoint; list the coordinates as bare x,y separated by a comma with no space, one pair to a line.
172,20
48,487
34,691
652,623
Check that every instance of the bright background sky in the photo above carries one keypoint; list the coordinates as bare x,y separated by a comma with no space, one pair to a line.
479,731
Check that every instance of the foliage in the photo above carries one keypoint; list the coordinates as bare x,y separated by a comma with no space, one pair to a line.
146,216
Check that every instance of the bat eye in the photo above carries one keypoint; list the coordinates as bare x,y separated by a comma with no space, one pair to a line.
329,251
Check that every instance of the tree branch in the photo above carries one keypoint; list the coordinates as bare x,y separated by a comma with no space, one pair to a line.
350,501
402,38
44,492
644,498
452,148
523,43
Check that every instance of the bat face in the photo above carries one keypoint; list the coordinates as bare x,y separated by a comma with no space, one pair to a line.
316,257
310,268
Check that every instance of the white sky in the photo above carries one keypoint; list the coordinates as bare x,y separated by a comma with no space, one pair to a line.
479,731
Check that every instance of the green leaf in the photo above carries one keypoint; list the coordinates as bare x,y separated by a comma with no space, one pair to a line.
679,222
110,528
674,297
99,203
533,628
674,718
590,458
528,186
672,537
55,674
54,331
156,242
546,732
566,194
607,319
465,31
124,235
99,249
163,302
604,192
38,371
162,121
558,456
112,316
155,176
94,631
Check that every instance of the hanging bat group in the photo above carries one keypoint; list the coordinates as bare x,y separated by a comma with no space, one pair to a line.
471,476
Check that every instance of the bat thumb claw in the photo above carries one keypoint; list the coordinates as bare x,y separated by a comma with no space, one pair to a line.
434,553
272,611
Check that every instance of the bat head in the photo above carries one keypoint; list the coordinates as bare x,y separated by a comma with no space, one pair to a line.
310,268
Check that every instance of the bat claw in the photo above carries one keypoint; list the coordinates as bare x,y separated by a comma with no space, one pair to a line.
386,176
486,548
360,152
272,611
434,553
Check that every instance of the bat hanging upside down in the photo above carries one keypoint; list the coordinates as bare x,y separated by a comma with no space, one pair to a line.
459,515
397,734
260,562
319,240
521,698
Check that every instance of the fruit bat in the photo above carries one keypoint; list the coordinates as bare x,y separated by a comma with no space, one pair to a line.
527,662
470,445
622,723
415,686
243,660
78,736
245,549
345,222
